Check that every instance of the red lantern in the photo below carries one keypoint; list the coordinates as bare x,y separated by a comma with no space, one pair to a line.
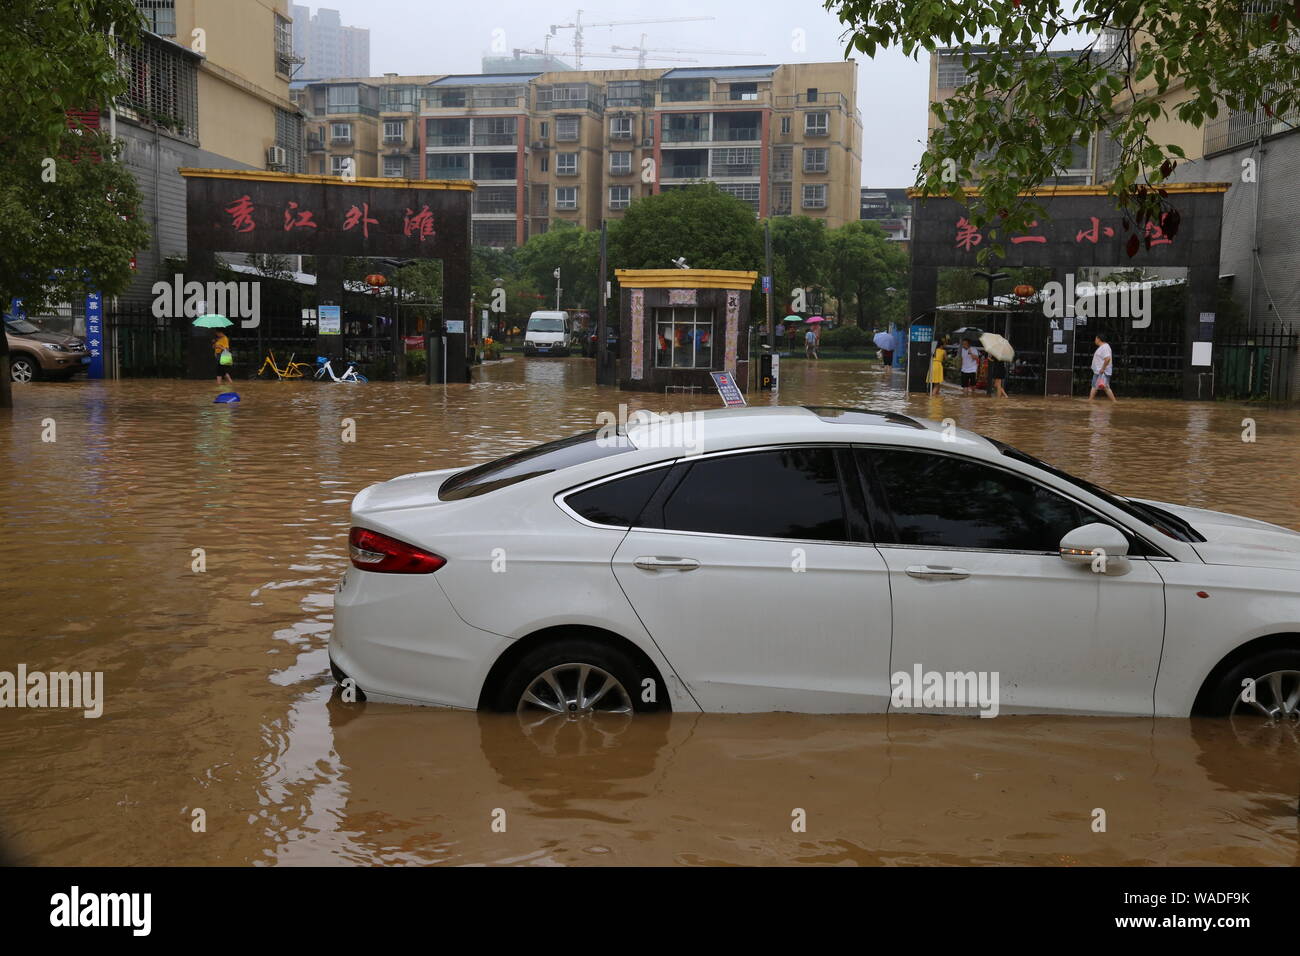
375,280
1024,291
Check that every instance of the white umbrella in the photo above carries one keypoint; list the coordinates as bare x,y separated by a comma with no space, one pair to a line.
997,346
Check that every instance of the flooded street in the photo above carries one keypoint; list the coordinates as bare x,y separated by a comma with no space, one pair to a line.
218,694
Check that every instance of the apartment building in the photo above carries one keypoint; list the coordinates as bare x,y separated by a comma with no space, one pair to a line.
890,209
328,48
208,86
580,145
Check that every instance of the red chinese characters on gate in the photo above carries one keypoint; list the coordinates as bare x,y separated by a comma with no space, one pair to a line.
967,236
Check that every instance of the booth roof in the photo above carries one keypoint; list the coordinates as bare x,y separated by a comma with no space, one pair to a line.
685,278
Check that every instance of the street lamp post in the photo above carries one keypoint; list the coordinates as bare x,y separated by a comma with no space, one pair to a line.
556,273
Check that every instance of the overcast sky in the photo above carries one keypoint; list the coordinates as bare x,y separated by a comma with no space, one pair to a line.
438,36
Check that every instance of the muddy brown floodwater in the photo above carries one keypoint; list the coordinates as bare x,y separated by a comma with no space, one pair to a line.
218,694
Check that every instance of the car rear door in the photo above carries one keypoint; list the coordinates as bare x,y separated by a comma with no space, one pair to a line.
751,572
978,585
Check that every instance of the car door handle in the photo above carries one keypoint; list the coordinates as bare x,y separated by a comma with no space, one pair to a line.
649,563
927,573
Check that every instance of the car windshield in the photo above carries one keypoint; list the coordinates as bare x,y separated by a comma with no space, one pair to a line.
532,462
20,326
1158,518
545,325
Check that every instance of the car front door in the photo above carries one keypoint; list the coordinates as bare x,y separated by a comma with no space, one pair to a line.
748,571
979,586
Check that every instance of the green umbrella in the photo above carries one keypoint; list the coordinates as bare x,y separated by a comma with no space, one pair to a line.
212,321
793,318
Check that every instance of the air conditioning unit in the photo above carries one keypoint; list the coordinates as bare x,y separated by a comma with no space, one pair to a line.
648,141
276,156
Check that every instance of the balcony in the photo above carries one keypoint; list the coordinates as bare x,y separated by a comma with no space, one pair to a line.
685,172
446,172
735,169
1237,129
721,134
468,104
315,144
340,140
827,99
495,139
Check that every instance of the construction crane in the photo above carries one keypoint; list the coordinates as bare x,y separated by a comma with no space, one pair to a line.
641,51
577,26
607,56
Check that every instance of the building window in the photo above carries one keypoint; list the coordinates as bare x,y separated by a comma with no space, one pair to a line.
395,166
785,125
620,163
566,164
743,91
342,164
814,196
545,164
745,192
394,131
814,160
289,137
781,199
620,127
620,197
283,46
340,132
951,75
161,85
343,99
566,129
159,16
544,130
684,338
623,93
816,124
566,197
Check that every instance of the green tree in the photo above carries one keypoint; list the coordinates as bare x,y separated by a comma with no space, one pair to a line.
702,224
862,263
798,254
69,207
1021,111
575,252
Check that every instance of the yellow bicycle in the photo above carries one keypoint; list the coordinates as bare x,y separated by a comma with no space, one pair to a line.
291,368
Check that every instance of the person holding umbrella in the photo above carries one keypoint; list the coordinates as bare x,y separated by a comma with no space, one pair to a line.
1000,353
885,342
222,359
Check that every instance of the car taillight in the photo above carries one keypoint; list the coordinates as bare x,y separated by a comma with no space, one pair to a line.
372,551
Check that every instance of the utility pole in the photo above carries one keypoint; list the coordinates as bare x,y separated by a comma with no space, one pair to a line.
602,317
767,254
556,273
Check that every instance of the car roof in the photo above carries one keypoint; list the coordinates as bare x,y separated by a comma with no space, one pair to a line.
719,429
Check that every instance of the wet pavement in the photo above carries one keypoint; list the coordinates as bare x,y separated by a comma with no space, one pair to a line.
218,695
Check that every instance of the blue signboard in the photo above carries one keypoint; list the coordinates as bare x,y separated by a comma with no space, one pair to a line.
767,283
921,333
732,397
95,335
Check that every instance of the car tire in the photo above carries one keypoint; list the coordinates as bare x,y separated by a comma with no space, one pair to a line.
1274,662
24,368
562,659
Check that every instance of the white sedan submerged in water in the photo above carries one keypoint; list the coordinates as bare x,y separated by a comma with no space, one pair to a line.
807,559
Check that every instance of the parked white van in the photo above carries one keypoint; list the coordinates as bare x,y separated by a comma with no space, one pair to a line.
547,334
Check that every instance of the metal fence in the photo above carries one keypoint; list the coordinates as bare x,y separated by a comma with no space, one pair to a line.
1257,365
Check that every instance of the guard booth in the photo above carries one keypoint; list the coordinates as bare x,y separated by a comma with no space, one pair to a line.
679,325
252,211
1085,230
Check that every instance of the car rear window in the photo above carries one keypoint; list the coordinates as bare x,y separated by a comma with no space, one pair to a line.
619,502
531,463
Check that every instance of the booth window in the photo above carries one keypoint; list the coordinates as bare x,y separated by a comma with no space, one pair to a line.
684,338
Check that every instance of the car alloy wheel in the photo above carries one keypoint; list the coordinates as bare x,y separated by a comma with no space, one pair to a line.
1277,697
22,369
575,690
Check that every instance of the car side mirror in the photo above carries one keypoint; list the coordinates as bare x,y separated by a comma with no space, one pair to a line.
1099,547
